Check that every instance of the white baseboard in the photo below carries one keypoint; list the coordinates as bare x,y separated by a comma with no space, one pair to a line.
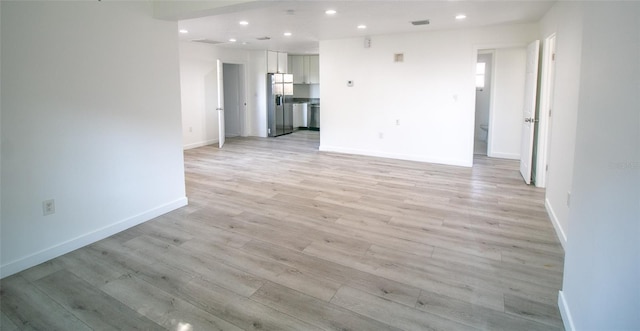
509,156
200,144
462,163
565,312
556,224
44,255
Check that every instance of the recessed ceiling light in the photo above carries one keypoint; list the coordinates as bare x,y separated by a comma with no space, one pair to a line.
330,12
183,31
287,34
243,23
461,16
362,26
233,40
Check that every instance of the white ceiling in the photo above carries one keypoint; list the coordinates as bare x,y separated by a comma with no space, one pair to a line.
308,23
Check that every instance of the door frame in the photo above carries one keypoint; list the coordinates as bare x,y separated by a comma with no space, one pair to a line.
547,80
477,48
491,97
243,76
242,100
528,140
220,102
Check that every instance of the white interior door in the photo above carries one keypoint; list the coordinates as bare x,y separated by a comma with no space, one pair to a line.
220,109
529,111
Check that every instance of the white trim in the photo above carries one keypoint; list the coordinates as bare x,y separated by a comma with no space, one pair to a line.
546,103
510,156
200,144
565,312
492,98
461,163
556,223
47,254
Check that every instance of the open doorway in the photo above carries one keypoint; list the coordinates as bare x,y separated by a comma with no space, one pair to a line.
500,86
234,99
484,67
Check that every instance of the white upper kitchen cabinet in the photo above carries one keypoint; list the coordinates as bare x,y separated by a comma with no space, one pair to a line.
296,67
314,69
276,62
282,63
272,62
305,69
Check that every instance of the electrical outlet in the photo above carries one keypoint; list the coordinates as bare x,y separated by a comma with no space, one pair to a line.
381,135
190,129
48,207
398,122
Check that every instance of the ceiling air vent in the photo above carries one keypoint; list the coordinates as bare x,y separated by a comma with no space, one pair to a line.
423,22
207,41
264,38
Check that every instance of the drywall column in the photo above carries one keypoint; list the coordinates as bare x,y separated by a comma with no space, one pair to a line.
564,19
601,287
257,113
91,118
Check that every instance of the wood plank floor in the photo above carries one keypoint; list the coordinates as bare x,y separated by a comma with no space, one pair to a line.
279,236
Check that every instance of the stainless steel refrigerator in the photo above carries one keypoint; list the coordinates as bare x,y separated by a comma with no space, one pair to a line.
279,104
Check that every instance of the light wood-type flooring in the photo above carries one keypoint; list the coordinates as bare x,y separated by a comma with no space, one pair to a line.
279,236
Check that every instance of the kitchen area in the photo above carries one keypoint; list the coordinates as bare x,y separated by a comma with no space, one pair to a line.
293,93
306,90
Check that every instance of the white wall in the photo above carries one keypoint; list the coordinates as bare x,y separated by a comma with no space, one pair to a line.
257,120
91,118
565,19
431,94
507,102
198,81
601,287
